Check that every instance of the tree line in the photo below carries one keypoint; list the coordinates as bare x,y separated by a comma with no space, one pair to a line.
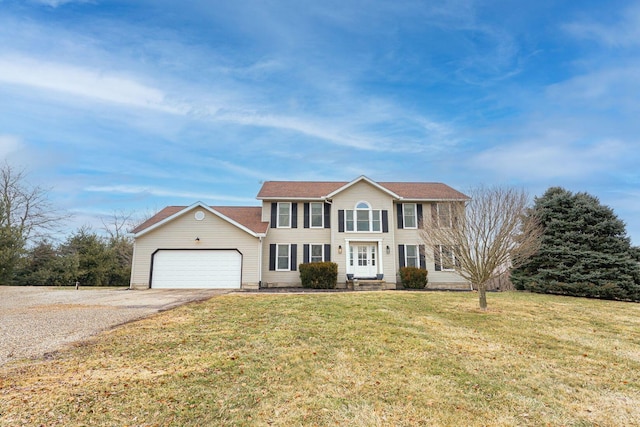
29,255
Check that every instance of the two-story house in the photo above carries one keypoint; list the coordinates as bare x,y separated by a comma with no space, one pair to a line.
369,229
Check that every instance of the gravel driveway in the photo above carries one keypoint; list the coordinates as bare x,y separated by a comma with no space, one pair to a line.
35,321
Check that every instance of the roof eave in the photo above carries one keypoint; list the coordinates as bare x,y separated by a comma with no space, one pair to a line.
188,208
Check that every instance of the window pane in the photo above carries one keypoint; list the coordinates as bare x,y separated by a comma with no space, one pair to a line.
409,211
411,250
317,214
363,220
375,224
284,217
349,220
283,257
316,253
444,214
411,253
363,205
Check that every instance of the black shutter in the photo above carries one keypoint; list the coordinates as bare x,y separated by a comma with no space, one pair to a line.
385,221
401,256
419,212
327,215
341,221
423,257
305,253
434,215
294,215
274,215
436,257
294,257
306,215
272,257
327,253
400,216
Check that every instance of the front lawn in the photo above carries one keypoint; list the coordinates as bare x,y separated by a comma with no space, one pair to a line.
368,359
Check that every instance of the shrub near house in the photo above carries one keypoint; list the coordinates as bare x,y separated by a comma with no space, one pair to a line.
319,275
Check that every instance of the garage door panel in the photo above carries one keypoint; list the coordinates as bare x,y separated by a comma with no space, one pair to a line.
196,269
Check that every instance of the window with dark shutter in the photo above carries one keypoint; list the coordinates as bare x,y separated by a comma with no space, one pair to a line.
306,215
327,215
305,253
274,215
272,257
294,257
294,215
423,257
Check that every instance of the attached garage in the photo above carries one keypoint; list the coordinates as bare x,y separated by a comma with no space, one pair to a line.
196,269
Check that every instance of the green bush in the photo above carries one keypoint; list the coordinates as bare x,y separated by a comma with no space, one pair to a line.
413,277
319,275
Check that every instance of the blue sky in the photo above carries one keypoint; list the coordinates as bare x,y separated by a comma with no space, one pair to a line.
134,105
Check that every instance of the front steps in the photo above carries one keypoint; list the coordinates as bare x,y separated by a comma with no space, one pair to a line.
368,285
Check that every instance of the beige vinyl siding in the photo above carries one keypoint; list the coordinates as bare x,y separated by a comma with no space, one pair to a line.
298,236
181,232
379,200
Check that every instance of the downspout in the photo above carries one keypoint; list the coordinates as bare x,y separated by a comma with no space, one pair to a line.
259,262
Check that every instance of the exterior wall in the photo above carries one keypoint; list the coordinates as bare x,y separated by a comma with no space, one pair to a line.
180,233
379,200
437,279
298,236
346,200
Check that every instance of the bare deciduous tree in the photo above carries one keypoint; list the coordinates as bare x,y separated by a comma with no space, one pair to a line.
25,213
25,209
484,237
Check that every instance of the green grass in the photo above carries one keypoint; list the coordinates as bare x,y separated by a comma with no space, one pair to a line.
381,358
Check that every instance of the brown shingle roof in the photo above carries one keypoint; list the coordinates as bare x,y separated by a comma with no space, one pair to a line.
298,189
248,216
317,190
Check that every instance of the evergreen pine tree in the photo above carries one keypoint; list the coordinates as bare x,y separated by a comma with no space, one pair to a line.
584,250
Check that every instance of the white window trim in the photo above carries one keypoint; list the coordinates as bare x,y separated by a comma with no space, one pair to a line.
278,245
278,225
406,256
311,215
415,215
311,245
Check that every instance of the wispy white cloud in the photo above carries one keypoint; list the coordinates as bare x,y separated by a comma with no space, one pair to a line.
84,82
9,144
550,157
148,190
56,3
625,32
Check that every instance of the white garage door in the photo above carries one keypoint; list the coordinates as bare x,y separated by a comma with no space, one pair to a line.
196,269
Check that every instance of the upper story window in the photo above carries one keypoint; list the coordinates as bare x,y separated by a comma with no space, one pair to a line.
284,215
317,215
444,214
410,215
363,219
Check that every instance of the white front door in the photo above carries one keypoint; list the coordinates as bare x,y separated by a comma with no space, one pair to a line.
363,260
